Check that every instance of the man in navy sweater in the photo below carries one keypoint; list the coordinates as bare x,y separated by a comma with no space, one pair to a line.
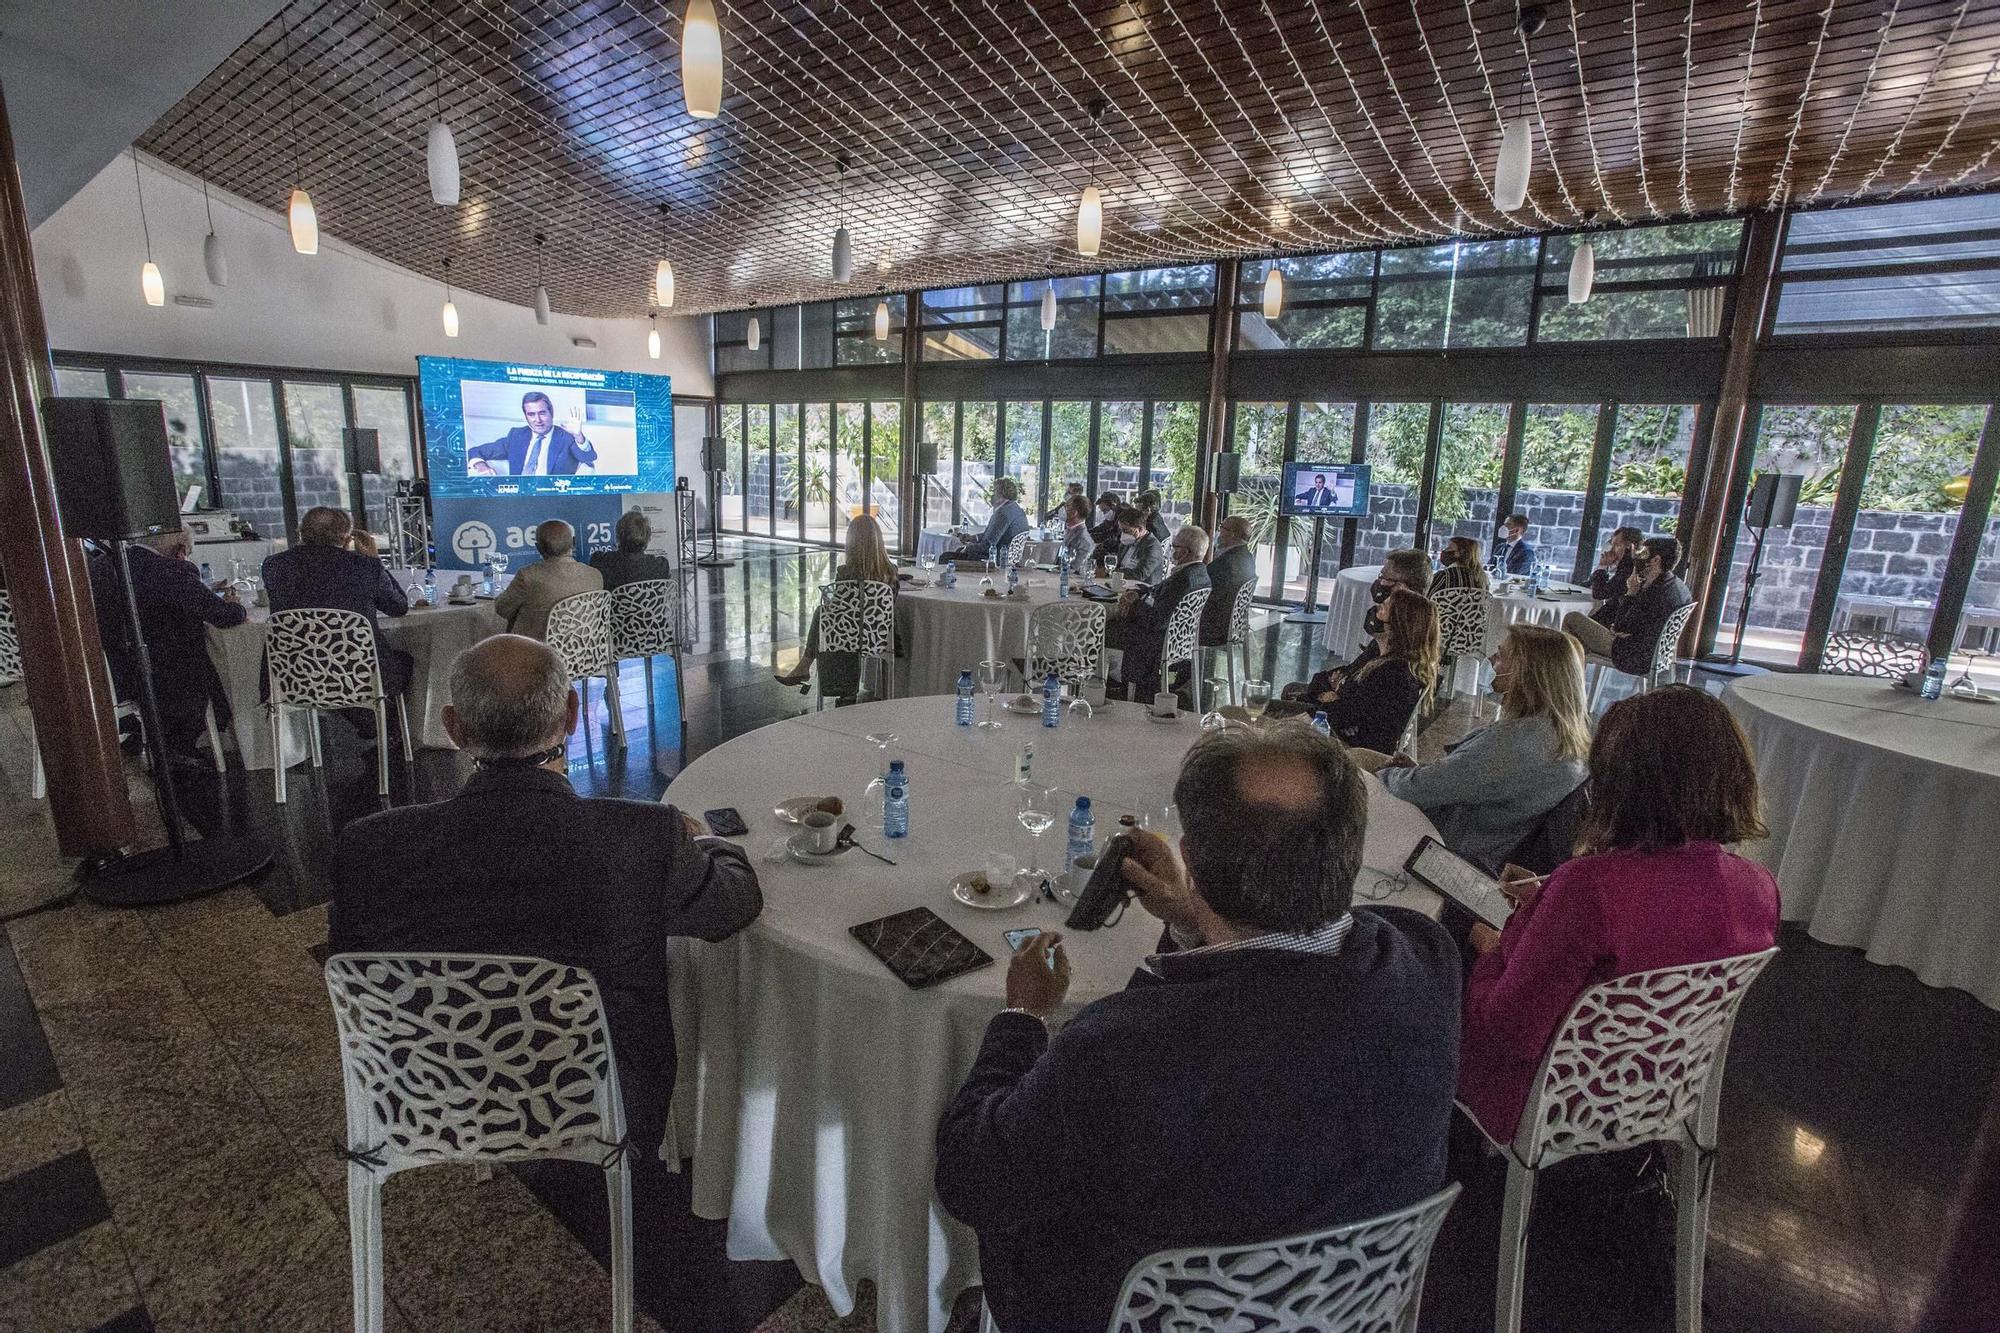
1286,1064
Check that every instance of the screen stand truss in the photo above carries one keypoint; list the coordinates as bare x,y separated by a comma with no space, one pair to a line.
410,532
1309,612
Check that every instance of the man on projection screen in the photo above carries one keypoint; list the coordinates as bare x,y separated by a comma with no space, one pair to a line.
539,449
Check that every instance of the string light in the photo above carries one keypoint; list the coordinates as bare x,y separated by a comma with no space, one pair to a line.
1732,193
1951,134
1417,135
1860,99
1687,90
1781,176
1589,131
1939,51
1638,127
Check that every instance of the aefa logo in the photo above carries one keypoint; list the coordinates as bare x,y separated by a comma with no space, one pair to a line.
472,541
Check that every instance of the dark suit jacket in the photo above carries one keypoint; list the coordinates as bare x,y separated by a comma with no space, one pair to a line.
1234,1097
1157,526
1144,631
1374,706
175,610
518,863
1639,620
1518,558
619,567
1316,497
564,451
1227,572
1608,585
1105,534
328,576
1144,560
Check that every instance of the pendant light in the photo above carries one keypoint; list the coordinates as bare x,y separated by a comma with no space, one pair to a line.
1517,146
541,287
701,60
441,150
882,321
1582,272
1274,291
653,336
1049,307
663,272
450,312
1090,207
212,258
754,337
150,282
843,248
300,214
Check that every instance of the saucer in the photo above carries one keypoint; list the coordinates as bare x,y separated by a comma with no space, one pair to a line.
1151,716
1027,705
994,899
804,855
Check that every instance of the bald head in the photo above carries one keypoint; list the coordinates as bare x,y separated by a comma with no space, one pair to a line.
1233,531
555,538
510,697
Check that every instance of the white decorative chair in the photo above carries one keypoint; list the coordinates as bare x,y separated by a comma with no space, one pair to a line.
1239,637
1638,1060
1082,623
1017,550
644,620
321,659
1666,655
859,616
473,1058
580,632
1365,1277
1883,656
1182,643
1462,634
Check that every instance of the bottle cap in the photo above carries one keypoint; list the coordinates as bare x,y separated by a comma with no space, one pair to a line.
1083,803
895,765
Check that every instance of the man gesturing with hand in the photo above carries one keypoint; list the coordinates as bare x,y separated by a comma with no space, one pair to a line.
1284,1064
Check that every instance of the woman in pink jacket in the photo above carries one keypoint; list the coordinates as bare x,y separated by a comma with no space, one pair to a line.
1654,885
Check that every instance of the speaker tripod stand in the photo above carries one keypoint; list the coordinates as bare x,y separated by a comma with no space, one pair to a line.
715,559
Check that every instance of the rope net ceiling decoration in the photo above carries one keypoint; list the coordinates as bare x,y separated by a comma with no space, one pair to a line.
1234,127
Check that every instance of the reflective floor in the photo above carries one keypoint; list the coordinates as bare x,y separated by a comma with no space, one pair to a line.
169,1094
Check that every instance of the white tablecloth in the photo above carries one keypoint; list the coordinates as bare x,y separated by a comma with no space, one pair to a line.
811,1080
1349,607
1882,815
940,633
432,636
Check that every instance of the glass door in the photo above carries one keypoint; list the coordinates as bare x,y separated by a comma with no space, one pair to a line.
244,413
1257,434
1472,444
315,415
185,445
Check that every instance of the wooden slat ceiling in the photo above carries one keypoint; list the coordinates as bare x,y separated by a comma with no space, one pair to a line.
1235,127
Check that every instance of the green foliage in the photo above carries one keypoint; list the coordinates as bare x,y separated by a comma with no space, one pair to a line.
1663,475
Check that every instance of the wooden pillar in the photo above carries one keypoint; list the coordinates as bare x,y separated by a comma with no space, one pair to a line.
1733,430
61,655
910,484
1215,421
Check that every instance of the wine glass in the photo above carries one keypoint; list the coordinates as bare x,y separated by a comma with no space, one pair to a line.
1967,683
926,561
1037,814
992,675
1256,698
1213,720
878,786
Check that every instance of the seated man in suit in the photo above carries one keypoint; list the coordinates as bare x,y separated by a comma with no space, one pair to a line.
175,610
631,562
1285,1064
1319,495
1060,510
1514,553
1627,628
518,863
1076,542
1140,555
1233,564
1148,504
1140,627
1615,565
336,565
1007,522
526,601
539,449
1104,527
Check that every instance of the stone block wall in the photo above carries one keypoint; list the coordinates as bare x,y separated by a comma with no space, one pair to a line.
1895,556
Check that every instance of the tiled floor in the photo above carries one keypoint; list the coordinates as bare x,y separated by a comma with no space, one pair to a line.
170,1098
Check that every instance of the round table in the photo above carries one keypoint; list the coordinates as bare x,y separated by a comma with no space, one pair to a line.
811,1080
943,631
1345,633
434,636
1881,810
936,541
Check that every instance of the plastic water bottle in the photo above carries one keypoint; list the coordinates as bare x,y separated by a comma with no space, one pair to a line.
1933,686
1320,724
964,714
1082,833
430,588
1024,763
896,802
207,574
1013,579
1062,574
1052,701
949,578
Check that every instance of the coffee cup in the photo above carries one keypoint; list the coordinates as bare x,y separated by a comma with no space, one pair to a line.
1078,876
822,831
1166,704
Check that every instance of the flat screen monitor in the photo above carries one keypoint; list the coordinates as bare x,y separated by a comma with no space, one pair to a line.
501,429
1324,490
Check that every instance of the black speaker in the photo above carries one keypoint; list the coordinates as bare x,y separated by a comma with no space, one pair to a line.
364,446
1773,500
714,454
112,472
1227,471
927,458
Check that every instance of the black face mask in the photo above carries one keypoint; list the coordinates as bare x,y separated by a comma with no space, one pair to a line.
1378,593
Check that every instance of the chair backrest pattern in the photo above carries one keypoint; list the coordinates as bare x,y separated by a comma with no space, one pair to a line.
456,1056
322,657
857,616
10,642
1017,549
1631,1062
1887,656
1461,620
1666,650
580,632
1239,614
1183,628
1353,1279
1083,622
642,618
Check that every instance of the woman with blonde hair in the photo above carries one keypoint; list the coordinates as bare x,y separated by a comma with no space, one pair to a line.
867,560
1487,792
1459,566
1369,702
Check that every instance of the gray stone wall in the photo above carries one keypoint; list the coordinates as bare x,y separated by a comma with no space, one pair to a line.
1555,520
1894,556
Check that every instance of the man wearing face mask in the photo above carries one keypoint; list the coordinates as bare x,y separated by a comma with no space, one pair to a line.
1402,569
1141,555
1627,628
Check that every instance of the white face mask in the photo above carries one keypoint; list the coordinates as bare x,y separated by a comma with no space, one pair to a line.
1126,539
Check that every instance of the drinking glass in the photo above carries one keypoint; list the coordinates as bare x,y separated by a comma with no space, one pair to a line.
1213,720
1256,698
878,786
992,675
1037,814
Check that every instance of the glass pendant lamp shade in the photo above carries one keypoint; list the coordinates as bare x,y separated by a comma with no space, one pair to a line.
663,285
151,284
541,304
1049,308
1089,221
755,335
450,314
1582,273
214,260
441,161
1510,173
843,256
1274,293
701,60
653,338
881,321
304,223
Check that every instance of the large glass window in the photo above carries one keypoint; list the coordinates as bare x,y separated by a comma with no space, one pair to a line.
1173,451
185,446
730,514
1648,473
1652,282
850,479
1075,333
1812,442
245,415
885,467
780,455
1472,443
1257,434
1024,452
1069,451
1396,435
1121,429
940,424
963,323
1325,302
1557,440
1326,435
1920,264
816,495
1463,294
1158,310
732,340
80,382
387,413
977,448
854,340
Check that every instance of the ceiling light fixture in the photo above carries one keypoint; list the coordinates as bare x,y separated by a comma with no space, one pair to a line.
441,151
663,272
653,336
1274,292
541,286
450,311
754,336
843,247
1583,266
212,258
1517,145
1090,207
300,214
701,60
1049,307
882,321
150,283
